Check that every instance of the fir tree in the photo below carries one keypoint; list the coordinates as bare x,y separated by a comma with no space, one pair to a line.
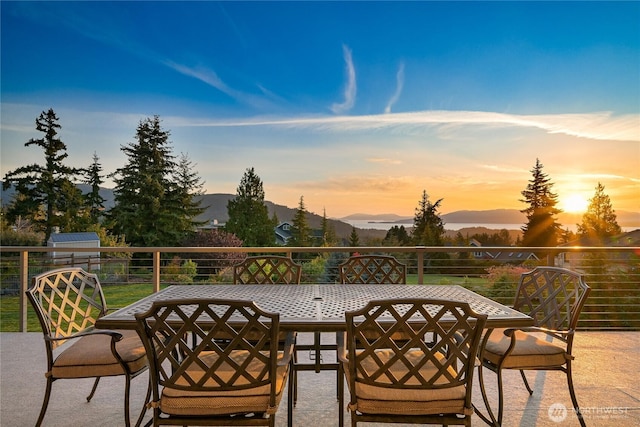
188,185
328,231
145,194
93,200
300,231
541,229
354,239
428,228
248,213
599,222
45,195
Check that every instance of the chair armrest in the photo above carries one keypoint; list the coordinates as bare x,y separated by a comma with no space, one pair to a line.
341,338
117,336
289,345
562,335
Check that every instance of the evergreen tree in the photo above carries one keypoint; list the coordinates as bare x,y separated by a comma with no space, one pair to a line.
300,231
599,222
93,200
329,237
145,194
354,239
248,214
188,185
428,228
397,236
541,229
75,216
42,192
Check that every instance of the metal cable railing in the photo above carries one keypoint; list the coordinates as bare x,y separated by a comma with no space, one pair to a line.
612,272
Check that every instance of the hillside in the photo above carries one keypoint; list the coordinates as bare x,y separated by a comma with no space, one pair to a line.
216,209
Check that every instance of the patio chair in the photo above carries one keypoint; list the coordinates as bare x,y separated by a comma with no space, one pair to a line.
68,301
406,380
267,269
238,382
554,298
272,270
372,269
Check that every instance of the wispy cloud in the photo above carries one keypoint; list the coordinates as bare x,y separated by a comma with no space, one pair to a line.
384,160
98,28
399,86
210,77
598,126
350,88
504,169
204,75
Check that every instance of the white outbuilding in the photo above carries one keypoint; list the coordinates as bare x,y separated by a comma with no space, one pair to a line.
89,260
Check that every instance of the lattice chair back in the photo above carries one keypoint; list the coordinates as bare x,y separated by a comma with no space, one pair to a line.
553,296
263,270
372,269
187,361
377,359
67,301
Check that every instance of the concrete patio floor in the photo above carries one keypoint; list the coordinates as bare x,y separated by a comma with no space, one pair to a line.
606,377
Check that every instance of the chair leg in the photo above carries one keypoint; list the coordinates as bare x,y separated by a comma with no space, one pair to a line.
340,397
143,411
526,383
93,390
45,402
127,389
574,399
291,395
500,397
293,377
492,419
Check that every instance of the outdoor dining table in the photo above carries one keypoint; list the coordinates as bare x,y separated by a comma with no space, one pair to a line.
320,307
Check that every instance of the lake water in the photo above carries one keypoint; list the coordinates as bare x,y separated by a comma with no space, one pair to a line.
382,225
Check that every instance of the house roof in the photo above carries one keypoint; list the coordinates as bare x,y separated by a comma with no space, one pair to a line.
514,256
630,238
89,236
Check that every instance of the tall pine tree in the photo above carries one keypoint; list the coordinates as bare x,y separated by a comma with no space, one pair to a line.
428,228
541,228
599,222
248,214
188,185
45,194
93,199
149,207
300,231
328,231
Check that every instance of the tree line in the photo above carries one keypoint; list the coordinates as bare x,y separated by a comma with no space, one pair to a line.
155,204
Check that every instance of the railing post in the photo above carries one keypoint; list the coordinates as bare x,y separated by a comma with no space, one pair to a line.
24,284
420,263
156,271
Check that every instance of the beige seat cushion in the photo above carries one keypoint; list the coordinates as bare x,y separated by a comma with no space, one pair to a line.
529,351
221,402
91,356
373,399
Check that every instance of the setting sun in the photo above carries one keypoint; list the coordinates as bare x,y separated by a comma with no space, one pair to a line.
575,203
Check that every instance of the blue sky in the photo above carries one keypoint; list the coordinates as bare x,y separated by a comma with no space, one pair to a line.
357,106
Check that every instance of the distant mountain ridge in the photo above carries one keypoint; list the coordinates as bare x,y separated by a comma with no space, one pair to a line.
216,210
494,216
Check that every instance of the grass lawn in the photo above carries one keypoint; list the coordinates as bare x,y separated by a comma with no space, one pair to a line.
119,296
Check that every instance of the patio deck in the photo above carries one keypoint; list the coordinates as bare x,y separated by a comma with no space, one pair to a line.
606,377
